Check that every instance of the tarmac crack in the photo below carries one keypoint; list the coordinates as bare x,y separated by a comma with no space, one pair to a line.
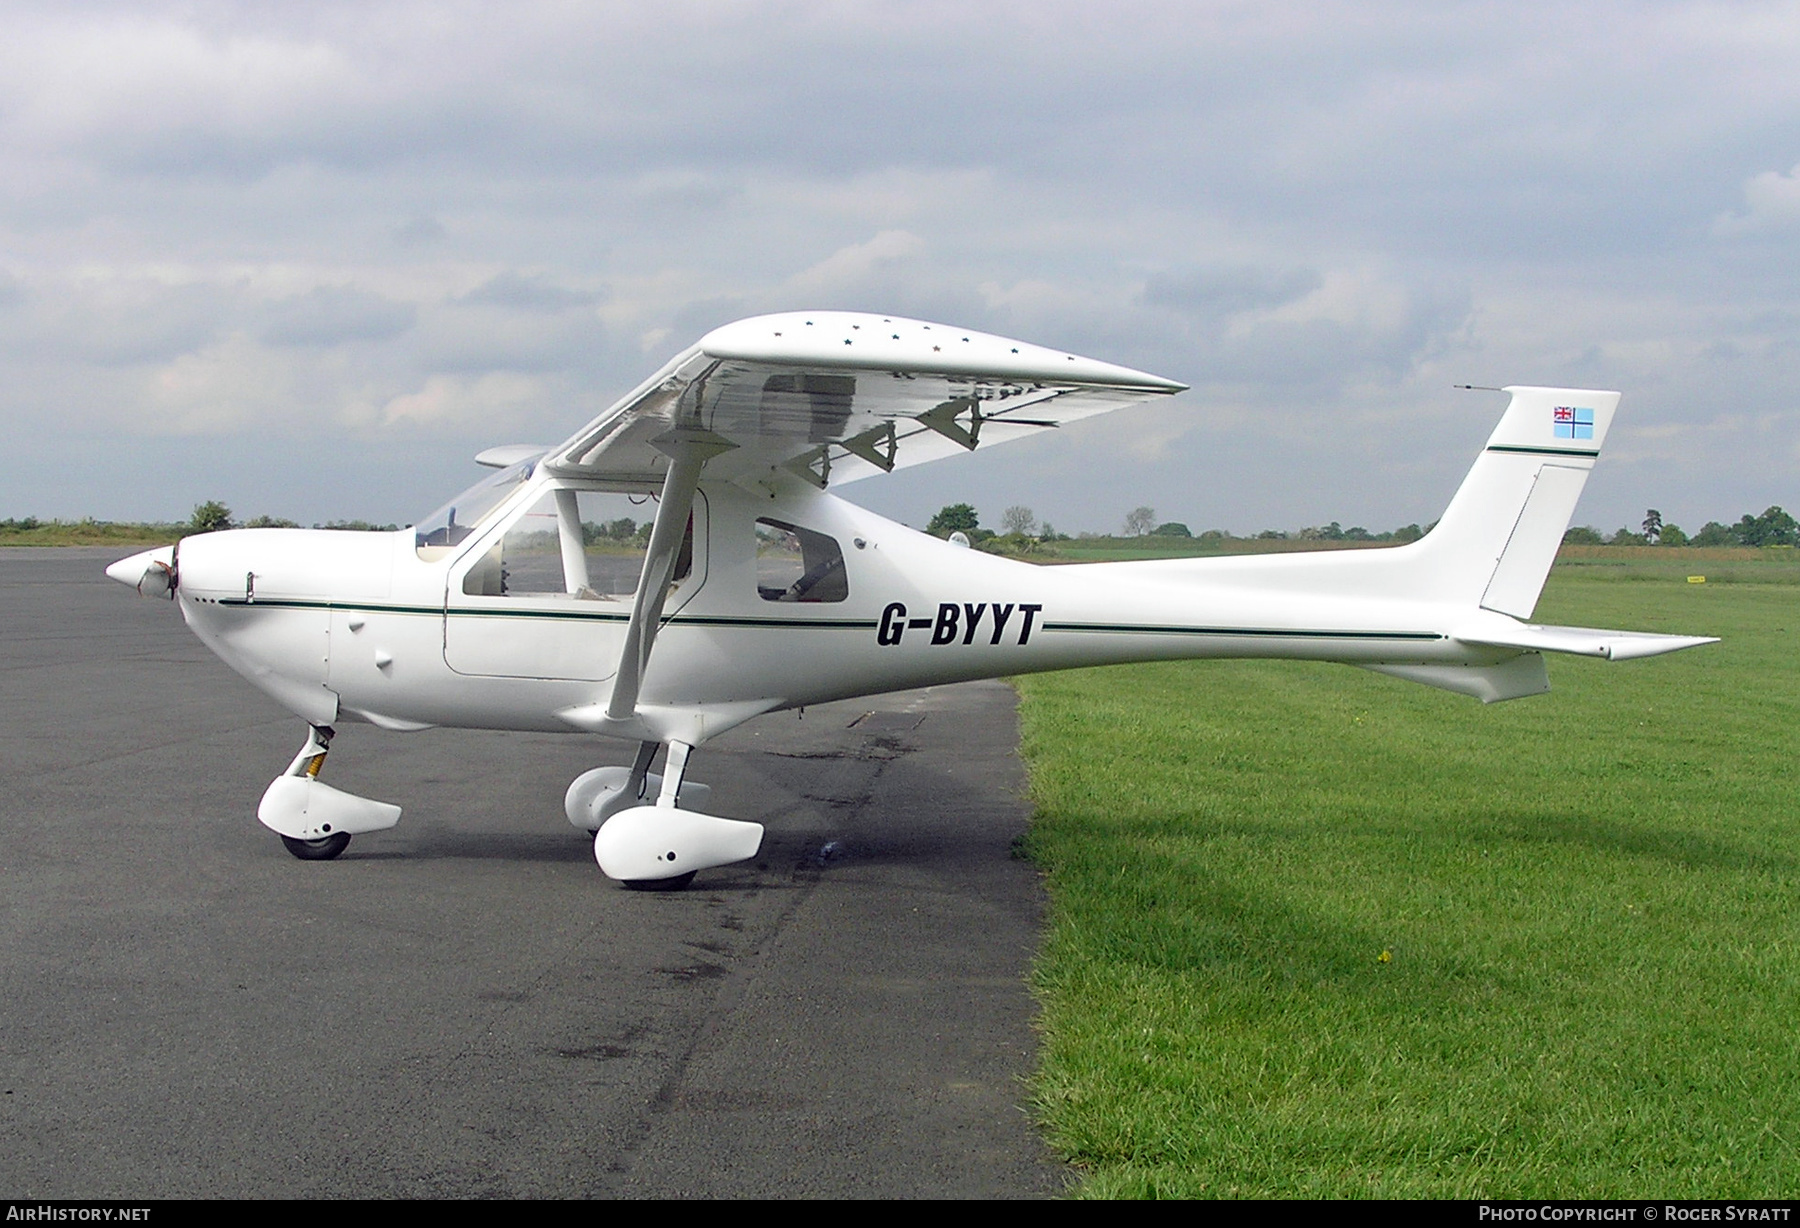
736,983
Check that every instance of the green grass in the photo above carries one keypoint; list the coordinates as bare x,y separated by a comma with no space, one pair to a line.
1718,564
1589,904
91,533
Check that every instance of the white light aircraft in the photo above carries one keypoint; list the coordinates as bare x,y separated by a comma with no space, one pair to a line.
533,601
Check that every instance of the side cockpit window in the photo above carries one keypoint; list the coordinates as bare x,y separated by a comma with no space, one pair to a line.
796,564
585,544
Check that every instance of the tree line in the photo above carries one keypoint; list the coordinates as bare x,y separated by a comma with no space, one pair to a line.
1774,527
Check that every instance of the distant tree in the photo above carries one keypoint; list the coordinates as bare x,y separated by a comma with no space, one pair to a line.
1214,536
1271,535
210,517
271,522
1671,535
957,517
1712,533
1653,525
1356,533
1140,521
1583,535
1173,528
1408,533
1018,519
1773,528
1051,535
1623,536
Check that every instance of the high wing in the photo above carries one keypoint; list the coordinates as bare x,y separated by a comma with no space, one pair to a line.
832,396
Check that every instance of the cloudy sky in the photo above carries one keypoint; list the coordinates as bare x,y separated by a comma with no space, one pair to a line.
309,258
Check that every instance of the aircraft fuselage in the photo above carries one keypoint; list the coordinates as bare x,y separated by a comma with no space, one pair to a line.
340,625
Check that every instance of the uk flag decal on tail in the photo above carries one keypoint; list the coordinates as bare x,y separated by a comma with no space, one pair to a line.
1573,423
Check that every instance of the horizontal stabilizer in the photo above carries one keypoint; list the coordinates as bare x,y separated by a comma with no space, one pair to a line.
1582,641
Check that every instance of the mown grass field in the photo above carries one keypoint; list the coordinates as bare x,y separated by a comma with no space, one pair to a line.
90,533
1322,933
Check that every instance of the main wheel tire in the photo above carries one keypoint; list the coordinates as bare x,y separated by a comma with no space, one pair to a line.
678,883
318,850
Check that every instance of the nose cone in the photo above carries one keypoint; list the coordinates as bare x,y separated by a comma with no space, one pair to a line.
151,573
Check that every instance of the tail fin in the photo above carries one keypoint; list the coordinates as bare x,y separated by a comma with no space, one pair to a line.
1495,544
1486,560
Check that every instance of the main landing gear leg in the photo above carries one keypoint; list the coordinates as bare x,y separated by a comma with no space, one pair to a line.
637,783
674,768
595,796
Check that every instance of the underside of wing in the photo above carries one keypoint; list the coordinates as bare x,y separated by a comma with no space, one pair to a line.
834,396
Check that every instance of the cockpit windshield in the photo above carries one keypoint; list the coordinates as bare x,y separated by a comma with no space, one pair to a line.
453,522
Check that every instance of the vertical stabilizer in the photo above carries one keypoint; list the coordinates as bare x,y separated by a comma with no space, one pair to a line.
1499,536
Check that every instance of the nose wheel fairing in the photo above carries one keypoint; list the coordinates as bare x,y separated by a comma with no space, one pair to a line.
313,819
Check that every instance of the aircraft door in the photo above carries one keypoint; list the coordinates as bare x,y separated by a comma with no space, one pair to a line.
547,593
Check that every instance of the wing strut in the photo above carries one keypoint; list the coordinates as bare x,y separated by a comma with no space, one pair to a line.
688,451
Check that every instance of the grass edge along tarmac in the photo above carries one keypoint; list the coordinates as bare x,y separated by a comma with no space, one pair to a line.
1319,933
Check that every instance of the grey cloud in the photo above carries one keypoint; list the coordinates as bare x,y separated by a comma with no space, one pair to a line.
1225,289
334,315
529,292
115,321
1541,186
694,320
1280,355
419,230
472,339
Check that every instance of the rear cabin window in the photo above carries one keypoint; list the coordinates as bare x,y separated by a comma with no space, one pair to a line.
796,564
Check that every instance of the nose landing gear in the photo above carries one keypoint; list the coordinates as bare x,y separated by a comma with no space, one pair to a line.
314,820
